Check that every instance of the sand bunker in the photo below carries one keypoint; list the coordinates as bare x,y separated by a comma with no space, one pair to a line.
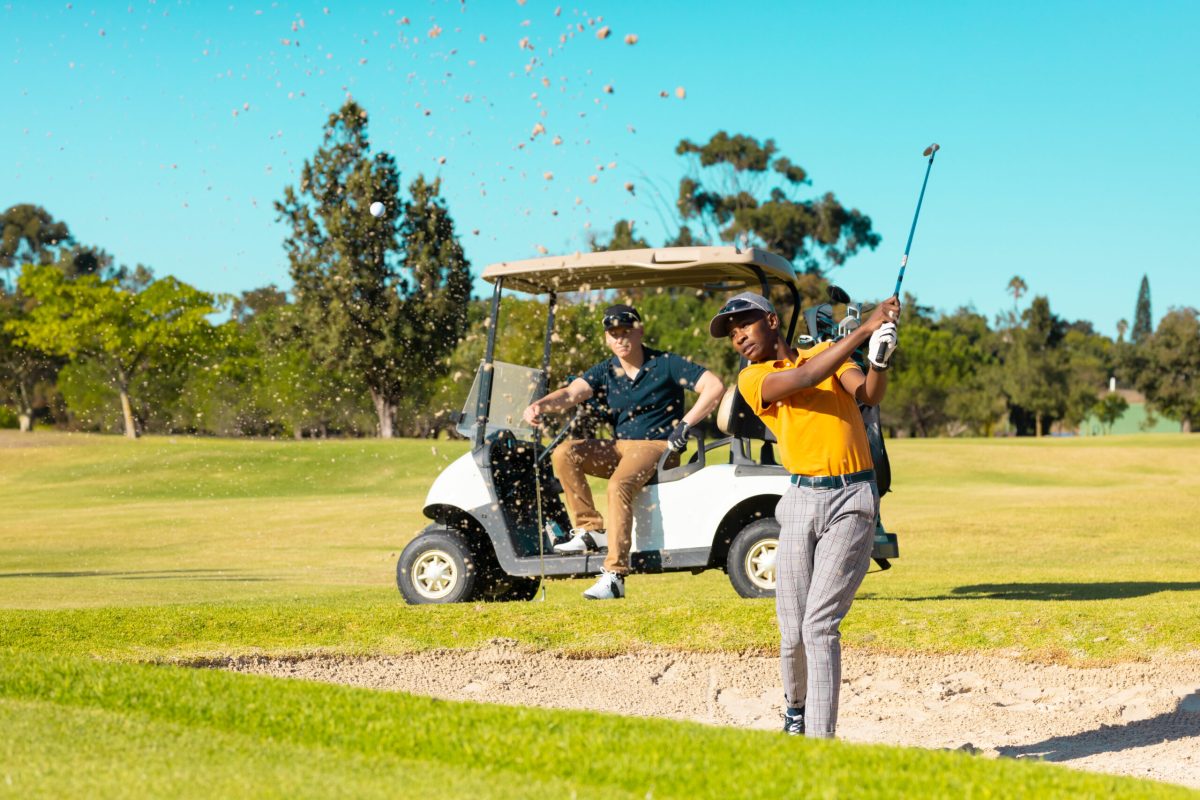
1141,720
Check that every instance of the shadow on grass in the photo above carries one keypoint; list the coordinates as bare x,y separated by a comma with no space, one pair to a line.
147,575
1116,590
1181,723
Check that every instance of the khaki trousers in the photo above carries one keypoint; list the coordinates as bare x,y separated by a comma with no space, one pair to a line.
628,464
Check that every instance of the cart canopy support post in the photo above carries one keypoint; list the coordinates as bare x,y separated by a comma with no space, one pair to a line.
484,406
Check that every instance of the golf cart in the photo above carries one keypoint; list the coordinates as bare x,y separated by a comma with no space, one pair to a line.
494,509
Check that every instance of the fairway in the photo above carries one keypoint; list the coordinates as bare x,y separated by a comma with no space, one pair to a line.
1075,552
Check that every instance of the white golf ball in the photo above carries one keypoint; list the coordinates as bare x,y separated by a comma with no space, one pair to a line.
377,209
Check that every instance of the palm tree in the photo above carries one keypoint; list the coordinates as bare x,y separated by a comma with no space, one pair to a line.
1017,287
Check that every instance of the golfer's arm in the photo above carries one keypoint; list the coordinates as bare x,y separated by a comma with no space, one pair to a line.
571,395
779,385
710,388
868,390
874,387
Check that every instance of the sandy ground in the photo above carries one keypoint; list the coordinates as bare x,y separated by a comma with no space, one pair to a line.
1141,720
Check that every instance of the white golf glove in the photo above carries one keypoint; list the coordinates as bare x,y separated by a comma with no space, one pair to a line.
882,345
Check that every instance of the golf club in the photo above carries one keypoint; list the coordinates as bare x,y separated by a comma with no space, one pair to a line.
537,491
851,321
930,151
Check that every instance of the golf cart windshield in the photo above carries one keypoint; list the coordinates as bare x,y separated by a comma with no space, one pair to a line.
513,389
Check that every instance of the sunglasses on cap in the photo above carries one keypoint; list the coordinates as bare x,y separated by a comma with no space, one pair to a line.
738,304
622,319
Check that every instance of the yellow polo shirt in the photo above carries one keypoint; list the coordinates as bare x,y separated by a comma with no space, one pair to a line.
820,429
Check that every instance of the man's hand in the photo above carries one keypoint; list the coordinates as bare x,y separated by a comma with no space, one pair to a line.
887,311
882,345
678,440
533,414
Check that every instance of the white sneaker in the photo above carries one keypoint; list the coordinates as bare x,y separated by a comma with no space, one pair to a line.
582,541
609,586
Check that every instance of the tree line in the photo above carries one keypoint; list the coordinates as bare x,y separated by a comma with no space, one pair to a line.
379,334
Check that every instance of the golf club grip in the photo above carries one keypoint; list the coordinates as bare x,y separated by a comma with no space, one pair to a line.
880,353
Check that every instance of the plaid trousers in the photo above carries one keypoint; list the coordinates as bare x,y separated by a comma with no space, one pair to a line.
825,542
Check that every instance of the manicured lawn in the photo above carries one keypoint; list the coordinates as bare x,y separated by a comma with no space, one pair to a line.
1077,550
171,550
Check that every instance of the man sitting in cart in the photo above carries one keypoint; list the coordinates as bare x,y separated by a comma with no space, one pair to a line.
644,389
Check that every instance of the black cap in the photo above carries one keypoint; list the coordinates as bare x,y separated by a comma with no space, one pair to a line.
621,316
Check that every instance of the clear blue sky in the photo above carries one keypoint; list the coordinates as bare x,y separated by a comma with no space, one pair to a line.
1069,130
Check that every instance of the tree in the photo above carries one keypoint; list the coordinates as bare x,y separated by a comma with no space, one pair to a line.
936,381
1017,288
364,309
26,373
1167,367
1035,376
1089,359
124,332
741,189
622,239
30,235
1109,410
1143,323
436,293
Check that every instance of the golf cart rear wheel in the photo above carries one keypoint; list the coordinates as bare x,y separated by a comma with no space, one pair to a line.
437,567
751,561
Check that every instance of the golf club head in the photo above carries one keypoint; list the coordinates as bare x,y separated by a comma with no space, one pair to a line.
849,324
933,148
819,319
838,295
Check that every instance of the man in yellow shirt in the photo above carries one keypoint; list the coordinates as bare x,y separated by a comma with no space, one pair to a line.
809,400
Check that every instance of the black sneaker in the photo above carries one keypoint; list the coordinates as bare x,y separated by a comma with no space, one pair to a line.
793,723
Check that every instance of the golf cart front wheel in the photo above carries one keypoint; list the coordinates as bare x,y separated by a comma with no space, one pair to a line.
437,567
752,556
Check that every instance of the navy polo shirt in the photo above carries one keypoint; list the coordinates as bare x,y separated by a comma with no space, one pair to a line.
650,405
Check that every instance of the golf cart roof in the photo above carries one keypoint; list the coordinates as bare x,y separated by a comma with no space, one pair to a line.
715,268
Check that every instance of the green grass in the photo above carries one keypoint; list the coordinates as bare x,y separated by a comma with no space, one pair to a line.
173,550
75,726
1069,550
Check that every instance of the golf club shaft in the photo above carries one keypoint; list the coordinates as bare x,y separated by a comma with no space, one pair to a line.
537,491
911,231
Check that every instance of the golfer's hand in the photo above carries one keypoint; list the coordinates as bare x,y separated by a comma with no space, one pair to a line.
882,345
678,439
533,415
887,311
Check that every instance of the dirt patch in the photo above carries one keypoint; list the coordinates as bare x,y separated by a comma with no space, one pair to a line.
1141,720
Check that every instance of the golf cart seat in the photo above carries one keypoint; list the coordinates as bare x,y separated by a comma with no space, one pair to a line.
736,420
